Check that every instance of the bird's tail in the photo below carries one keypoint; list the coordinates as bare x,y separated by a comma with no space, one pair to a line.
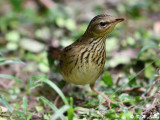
53,54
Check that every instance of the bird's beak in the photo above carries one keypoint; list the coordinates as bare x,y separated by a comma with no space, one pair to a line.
118,20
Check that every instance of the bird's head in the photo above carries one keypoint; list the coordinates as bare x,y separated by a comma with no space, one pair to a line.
102,25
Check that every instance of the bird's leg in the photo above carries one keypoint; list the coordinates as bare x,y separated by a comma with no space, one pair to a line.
108,101
57,98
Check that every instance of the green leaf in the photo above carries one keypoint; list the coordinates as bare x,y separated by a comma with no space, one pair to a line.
111,114
132,81
31,45
29,116
25,105
126,98
145,48
39,108
17,4
12,36
107,79
149,71
43,33
70,24
43,67
60,21
12,78
5,103
59,112
124,109
111,44
12,46
127,116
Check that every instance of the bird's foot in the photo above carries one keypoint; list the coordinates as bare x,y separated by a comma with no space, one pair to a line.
108,102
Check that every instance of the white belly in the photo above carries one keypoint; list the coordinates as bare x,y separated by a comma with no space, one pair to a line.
84,75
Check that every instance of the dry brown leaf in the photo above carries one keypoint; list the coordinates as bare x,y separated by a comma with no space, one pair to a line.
4,109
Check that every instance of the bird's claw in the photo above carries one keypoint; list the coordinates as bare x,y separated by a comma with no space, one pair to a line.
108,102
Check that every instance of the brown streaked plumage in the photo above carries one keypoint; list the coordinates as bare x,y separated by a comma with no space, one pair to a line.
83,61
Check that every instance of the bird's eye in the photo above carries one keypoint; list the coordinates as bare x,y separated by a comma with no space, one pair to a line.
102,24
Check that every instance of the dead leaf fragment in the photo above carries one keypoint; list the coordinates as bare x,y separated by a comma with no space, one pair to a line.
156,27
3,109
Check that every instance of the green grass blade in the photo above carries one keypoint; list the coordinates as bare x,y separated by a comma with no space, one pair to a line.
29,116
21,114
145,48
5,103
25,104
33,83
12,78
4,61
59,112
54,86
52,106
71,110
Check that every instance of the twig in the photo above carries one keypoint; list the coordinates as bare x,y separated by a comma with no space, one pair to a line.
138,89
152,110
157,79
118,80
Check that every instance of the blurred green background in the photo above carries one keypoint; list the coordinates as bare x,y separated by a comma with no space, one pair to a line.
28,27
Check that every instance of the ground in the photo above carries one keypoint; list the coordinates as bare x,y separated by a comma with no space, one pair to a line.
29,86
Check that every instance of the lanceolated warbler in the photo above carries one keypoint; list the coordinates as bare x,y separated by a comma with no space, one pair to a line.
83,61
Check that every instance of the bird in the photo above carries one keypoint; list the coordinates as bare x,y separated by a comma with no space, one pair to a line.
83,61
